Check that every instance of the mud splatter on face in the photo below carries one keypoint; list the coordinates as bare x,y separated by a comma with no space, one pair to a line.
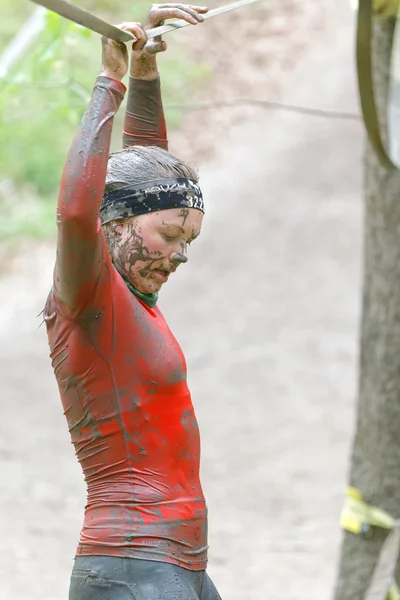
132,249
146,249
131,255
183,213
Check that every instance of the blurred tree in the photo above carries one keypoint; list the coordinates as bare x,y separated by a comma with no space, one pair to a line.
375,466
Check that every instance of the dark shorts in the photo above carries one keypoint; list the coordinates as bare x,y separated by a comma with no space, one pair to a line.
111,578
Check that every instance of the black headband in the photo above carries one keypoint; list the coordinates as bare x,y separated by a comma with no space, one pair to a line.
151,196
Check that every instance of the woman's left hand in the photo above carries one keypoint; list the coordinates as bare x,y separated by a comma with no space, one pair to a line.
143,63
115,55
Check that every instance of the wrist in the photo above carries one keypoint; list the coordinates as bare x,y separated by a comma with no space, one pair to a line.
144,66
110,75
149,77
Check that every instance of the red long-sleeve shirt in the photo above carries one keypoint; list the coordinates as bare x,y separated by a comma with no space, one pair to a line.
121,375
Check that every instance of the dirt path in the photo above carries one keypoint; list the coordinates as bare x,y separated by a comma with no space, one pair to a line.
267,314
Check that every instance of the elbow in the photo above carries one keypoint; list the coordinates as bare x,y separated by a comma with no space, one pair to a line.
78,206
79,223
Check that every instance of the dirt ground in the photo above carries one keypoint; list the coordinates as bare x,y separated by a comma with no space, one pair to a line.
267,313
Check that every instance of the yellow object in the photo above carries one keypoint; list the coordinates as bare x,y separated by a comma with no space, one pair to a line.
386,8
358,517
394,593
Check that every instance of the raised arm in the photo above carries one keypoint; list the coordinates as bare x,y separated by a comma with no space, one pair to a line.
79,248
144,118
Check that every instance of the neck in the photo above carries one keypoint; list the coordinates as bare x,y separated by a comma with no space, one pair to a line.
149,299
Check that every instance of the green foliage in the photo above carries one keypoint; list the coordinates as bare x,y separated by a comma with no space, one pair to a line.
13,14
41,102
24,215
43,98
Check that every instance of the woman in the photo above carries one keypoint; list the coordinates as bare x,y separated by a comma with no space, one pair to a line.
120,371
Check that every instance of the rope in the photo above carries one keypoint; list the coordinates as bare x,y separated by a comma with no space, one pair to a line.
366,10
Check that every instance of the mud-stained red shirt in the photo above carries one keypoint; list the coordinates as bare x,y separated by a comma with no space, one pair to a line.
122,379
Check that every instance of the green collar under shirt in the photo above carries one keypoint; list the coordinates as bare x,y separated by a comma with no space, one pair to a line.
149,299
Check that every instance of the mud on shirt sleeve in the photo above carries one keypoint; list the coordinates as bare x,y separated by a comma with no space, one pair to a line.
144,123
80,249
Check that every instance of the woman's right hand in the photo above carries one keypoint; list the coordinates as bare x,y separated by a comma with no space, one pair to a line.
115,55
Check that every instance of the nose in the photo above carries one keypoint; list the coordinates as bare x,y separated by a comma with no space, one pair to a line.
177,257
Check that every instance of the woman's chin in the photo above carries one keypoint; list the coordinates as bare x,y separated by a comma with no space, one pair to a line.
149,287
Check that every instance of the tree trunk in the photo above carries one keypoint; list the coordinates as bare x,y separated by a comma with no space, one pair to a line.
375,468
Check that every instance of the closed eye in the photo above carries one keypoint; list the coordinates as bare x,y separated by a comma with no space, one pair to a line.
169,238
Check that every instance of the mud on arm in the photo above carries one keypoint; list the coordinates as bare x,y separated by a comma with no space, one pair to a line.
144,118
79,248
144,123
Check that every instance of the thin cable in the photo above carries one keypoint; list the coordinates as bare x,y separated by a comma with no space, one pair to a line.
305,110
207,105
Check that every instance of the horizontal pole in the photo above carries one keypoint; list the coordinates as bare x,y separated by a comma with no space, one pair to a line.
86,19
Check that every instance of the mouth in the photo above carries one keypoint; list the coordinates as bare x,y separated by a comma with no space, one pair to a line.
161,274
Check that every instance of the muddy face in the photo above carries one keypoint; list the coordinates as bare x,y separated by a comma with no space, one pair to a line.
146,249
